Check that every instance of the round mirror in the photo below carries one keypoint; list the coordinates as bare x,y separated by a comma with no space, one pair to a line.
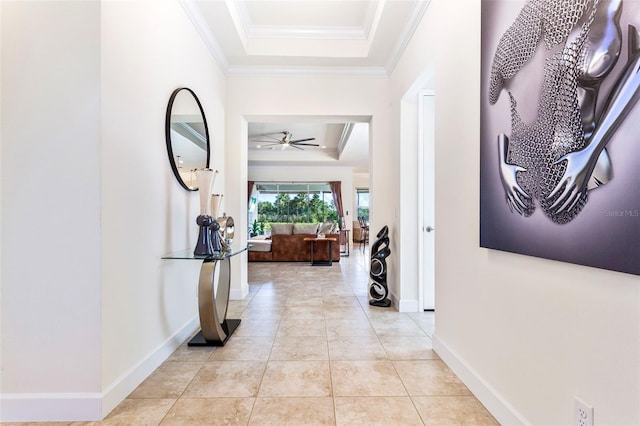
187,137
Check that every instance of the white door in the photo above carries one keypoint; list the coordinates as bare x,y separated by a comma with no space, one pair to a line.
427,244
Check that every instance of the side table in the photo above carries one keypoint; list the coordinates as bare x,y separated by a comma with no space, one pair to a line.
215,328
330,241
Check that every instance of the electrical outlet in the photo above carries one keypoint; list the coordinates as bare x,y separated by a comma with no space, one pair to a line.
583,414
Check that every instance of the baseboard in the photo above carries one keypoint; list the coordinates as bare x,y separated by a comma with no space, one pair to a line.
67,407
408,306
403,305
236,294
115,393
504,413
50,407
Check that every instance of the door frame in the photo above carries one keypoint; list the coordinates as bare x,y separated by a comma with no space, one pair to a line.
424,168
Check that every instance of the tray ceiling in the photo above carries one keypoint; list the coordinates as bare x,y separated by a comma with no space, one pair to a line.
363,37
308,37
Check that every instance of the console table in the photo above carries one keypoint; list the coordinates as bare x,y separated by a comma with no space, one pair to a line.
215,328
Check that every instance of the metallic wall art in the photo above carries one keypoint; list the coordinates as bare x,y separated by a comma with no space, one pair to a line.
560,119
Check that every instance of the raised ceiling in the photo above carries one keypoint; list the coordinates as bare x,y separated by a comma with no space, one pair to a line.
358,37
341,144
308,37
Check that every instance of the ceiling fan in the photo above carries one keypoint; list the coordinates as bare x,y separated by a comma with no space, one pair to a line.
285,140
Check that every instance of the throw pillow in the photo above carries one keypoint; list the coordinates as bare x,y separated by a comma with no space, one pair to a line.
327,228
281,228
305,228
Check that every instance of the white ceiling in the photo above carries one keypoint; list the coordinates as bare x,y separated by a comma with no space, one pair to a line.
341,144
302,37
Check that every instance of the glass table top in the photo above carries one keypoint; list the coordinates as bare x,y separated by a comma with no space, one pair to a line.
188,254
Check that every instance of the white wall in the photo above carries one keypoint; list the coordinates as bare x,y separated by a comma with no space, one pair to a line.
526,334
89,309
361,180
1,364
255,98
148,50
50,189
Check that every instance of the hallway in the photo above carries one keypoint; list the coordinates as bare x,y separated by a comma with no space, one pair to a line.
309,350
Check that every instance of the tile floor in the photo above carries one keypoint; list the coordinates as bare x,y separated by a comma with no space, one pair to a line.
309,351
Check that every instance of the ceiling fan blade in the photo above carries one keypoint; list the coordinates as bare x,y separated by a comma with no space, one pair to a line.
271,144
303,140
305,144
296,147
270,134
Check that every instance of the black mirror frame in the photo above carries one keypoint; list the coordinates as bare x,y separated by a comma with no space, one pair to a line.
167,132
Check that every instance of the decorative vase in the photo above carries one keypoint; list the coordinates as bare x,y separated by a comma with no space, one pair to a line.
216,238
227,229
216,200
204,246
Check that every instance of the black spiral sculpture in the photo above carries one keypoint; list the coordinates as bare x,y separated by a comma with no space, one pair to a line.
378,289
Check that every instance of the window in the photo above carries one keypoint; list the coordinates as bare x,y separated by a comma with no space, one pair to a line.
295,203
362,202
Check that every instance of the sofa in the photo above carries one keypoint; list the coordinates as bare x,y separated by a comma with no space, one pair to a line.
286,244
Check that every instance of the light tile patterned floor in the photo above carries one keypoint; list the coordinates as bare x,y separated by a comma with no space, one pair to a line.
309,351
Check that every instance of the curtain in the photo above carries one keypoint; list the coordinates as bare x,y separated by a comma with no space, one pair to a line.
336,191
249,190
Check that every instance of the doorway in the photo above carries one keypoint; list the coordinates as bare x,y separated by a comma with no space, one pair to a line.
426,190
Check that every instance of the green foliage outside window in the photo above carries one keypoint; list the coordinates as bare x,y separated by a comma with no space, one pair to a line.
301,208
363,212
363,203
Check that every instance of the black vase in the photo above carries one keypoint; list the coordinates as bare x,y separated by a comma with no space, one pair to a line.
216,239
204,246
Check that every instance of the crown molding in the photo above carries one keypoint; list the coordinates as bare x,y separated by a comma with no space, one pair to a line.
195,15
316,33
372,14
344,137
251,30
302,71
193,12
354,168
417,12
239,10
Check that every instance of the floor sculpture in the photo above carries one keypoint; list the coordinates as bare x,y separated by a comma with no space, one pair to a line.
378,290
